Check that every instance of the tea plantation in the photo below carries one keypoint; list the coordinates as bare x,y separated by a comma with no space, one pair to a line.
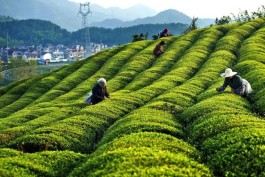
164,117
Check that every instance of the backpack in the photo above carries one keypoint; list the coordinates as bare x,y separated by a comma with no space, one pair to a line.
88,98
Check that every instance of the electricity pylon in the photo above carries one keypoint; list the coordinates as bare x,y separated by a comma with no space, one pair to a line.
84,11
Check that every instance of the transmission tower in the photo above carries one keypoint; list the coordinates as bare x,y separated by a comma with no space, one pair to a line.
85,11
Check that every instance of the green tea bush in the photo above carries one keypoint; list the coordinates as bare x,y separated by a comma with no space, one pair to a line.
227,27
16,92
143,120
26,127
78,134
216,103
6,152
226,152
211,90
210,126
228,43
55,164
141,162
154,140
92,64
229,160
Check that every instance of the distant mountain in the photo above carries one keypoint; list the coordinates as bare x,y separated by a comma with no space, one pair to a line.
65,13
167,16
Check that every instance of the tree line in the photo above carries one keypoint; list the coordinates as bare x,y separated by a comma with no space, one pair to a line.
35,32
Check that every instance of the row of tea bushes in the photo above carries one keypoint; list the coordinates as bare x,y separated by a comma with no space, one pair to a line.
14,131
135,132
197,116
43,116
223,53
144,143
229,136
72,142
225,131
107,70
53,137
183,96
141,120
35,89
32,89
252,66
143,154
164,63
79,75
11,93
49,163
77,133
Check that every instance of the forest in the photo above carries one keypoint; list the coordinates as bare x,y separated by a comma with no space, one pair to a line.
36,32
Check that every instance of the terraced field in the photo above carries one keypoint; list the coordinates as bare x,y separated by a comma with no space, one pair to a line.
164,117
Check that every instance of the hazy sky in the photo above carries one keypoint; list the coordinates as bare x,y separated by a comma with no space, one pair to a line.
192,8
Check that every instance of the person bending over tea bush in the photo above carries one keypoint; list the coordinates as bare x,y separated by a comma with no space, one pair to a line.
158,50
238,85
99,91
164,33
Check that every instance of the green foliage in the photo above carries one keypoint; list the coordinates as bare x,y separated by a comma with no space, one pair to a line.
141,162
164,116
154,140
145,120
5,152
40,164
210,126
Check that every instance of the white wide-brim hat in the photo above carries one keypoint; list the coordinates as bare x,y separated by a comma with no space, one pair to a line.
228,73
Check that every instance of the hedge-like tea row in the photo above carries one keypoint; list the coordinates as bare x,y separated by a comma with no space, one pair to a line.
36,88
15,92
141,161
221,128
224,128
90,67
108,70
15,131
41,85
147,120
45,143
251,66
164,63
39,164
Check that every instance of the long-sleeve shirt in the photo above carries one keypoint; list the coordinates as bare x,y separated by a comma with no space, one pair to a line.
98,94
157,49
235,83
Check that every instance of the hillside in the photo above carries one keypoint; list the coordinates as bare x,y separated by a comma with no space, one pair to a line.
164,116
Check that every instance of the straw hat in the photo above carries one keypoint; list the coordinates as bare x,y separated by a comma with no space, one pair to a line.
228,73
